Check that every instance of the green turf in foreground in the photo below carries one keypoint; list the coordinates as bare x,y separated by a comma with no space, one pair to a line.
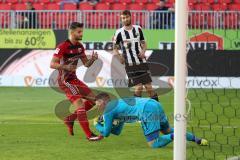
30,130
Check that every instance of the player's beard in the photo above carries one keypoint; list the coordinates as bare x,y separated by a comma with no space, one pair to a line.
128,23
78,38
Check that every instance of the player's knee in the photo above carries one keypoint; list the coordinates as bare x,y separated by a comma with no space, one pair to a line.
138,91
157,144
168,130
161,141
78,103
149,88
139,88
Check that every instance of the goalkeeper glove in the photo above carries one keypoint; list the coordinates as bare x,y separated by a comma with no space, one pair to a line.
98,120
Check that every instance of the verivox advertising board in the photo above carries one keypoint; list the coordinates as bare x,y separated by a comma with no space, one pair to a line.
30,68
106,82
213,58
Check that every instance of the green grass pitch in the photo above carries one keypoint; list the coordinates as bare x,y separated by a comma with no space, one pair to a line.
29,129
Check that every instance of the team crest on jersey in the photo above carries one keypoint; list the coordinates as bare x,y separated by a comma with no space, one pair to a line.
79,50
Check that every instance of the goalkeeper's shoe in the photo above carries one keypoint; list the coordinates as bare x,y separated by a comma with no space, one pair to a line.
203,142
95,137
69,125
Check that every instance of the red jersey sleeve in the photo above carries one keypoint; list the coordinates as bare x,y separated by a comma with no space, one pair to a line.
60,50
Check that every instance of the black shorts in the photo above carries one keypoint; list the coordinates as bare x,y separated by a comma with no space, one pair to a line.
138,74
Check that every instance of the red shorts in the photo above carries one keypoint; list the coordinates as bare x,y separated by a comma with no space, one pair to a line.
74,89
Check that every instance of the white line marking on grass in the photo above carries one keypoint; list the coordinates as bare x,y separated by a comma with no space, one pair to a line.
234,158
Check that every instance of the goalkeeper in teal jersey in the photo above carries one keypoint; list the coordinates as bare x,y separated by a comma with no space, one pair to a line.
129,110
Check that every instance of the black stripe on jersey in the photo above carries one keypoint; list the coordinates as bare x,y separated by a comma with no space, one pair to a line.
138,52
134,33
141,34
130,50
136,44
124,53
127,34
119,38
131,53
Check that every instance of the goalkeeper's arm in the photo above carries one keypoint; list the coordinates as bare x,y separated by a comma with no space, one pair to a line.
105,128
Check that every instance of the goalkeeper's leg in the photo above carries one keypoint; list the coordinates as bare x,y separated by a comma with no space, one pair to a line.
155,141
168,138
190,137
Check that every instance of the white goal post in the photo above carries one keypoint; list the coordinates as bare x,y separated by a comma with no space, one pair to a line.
180,68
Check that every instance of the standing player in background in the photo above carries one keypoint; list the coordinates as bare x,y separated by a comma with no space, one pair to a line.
65,60
131,40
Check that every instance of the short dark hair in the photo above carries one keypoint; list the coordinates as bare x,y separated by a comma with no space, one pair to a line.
126,13
75,25
102,95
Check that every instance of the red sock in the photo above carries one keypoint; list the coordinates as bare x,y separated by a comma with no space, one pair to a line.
83,121
88,105
72,117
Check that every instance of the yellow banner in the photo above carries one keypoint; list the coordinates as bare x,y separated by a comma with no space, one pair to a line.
27,38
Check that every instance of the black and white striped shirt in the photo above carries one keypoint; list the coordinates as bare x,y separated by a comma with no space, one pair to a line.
130,43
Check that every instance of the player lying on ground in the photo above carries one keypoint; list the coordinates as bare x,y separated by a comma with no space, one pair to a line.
128,110
65,60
